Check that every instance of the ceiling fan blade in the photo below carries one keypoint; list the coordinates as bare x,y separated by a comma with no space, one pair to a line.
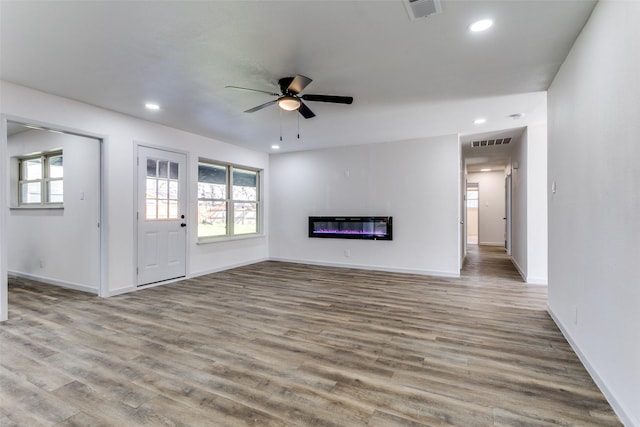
305,111
328,98
261,106
253,90
298,84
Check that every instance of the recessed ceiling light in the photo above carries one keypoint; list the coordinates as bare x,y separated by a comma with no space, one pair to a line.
481,25
275,147
152,106
485,170
479,121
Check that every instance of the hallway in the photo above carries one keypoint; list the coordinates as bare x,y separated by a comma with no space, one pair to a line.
489,263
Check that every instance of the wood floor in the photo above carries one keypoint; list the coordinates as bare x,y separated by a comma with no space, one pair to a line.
279,344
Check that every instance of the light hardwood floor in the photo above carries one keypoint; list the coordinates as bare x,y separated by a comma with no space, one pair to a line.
280,344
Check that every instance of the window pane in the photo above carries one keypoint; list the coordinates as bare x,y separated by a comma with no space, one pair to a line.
212,191
55,191
151,188
31,169
212,174
212,219
55,167
173,170
151,167
163,168
173,190
163,209
151,209
163,189
245,185
173,209
30,192
245,218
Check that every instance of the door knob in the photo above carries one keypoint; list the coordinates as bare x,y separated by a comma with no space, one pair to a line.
183,225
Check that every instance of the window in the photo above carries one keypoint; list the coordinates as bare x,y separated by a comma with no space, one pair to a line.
161,191
228,200
472,197
41,180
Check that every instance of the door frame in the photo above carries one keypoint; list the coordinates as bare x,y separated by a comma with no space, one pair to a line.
508,213
136,200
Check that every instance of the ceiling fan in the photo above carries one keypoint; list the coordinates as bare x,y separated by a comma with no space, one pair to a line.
290,98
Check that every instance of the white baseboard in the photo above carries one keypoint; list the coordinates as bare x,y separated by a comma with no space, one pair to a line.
370,267
517,266
49,281
528,280
624,416
491,244
226,267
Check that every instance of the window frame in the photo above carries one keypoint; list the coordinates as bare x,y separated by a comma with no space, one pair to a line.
44,180
229,201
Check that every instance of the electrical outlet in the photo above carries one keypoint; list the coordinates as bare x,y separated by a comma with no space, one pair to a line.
347,253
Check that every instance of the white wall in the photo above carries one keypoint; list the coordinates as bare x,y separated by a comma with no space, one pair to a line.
416,182
594,226
121,132
537,223
491,206
59,245
519,231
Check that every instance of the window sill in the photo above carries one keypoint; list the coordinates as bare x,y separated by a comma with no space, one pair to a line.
207,240
36,208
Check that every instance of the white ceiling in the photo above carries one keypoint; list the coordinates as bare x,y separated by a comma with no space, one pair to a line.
410,79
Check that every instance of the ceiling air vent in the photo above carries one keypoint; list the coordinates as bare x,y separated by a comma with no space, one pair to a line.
490,142
422,8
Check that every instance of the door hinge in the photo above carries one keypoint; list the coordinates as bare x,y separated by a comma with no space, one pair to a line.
137,271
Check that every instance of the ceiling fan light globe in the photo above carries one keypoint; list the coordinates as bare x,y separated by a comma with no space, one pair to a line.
289,103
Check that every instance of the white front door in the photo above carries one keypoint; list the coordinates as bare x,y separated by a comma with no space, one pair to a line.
162,224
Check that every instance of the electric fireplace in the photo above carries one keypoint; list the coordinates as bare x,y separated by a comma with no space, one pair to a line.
362,227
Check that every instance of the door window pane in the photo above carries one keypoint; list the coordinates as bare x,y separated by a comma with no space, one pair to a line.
152,167
163,168
173,170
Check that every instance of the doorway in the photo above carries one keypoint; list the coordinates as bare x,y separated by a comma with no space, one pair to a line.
473,215
161,215
53,216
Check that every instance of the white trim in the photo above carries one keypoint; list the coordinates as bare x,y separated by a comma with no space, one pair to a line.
517,266
528,280
208,240
501,244
370,267
55,282
4,178
624,415
227,267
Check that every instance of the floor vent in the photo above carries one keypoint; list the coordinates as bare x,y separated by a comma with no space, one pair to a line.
490,142
422,8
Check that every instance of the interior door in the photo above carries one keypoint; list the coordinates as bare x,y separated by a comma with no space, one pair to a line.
161,215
